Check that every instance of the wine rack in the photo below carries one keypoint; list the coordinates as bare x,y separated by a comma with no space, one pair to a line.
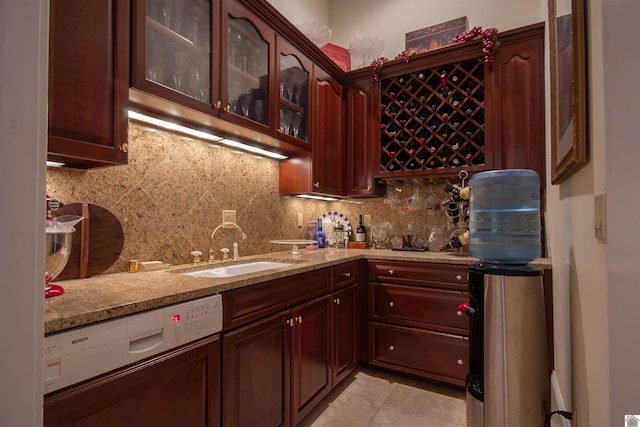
432,120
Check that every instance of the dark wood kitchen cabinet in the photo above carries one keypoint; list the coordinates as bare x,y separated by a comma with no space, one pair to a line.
362,133
344,320
286,344
447,110
515,96
328,149
88,82
179,387
321,170
414,324
215,57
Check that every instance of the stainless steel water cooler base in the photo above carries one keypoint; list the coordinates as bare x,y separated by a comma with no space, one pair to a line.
515,377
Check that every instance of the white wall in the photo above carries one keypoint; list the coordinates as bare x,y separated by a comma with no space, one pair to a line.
23,102
622,111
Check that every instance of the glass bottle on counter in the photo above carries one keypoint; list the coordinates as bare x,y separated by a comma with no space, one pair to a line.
360,232
321,237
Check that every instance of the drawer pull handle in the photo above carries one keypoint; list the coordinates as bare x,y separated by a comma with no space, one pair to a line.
299,319
390,348
459,313
336,301
458,277
390,271
391,304
460,362
347,275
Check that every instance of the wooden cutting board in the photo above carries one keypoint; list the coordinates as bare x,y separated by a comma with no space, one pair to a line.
96,243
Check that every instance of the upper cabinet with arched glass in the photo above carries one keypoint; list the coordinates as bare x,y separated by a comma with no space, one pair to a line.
213,56
293,83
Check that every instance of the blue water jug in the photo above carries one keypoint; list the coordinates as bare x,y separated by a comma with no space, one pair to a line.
504,216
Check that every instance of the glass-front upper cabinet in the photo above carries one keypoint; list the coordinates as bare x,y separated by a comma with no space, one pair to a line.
294,72
246,76
174,43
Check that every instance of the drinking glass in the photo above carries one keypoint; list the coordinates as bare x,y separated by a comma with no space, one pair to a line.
380,232
297,121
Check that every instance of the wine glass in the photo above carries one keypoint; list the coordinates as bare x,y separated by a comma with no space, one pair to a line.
196,12
297,121
245,103
179,67
258,111
167,13
392,197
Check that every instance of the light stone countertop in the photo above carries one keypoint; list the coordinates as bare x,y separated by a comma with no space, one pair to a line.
104,297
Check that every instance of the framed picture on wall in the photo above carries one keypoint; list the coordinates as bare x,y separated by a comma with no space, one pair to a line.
436,36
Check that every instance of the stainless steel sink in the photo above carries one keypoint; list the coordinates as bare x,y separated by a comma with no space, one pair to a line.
237,269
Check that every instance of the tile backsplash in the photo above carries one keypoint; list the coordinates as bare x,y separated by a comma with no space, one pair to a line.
170,197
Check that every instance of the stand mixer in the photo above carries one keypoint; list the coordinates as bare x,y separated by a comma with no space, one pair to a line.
57,246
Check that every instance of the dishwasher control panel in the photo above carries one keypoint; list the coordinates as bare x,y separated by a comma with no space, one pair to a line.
85,352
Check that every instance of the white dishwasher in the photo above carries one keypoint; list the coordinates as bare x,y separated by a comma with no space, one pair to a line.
79,354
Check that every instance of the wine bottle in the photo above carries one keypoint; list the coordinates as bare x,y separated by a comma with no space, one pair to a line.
360,232
321,237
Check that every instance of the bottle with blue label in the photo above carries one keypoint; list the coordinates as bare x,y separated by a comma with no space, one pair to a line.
321,237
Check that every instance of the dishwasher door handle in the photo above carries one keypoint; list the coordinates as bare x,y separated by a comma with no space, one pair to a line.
147,343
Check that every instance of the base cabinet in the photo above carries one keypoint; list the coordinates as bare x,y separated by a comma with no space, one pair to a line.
177,388
283,352
256,376
414,324
275,365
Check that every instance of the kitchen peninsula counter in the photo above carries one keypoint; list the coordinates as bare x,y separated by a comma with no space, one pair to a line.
104,297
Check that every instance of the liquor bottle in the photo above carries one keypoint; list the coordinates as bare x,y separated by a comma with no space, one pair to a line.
321,237
360,232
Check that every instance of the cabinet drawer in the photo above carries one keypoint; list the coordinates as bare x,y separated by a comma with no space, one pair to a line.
344,275
423,307
433,274
243,305
429,354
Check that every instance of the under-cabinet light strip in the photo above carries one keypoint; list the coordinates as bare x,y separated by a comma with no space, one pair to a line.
308,196
203,135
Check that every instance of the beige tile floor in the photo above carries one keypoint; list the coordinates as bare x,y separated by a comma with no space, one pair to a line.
371,398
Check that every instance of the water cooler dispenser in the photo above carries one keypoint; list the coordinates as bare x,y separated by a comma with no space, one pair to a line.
508,380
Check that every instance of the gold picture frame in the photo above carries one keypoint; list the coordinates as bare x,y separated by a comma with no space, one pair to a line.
567,43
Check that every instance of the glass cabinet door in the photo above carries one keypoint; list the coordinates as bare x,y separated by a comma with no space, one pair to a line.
294,97
176,38
247,71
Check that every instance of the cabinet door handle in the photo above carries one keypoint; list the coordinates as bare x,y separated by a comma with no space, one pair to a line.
390,348
336,301
347,275
299,319
218,104
280,129
459,313
368,188
390,271
390,303
124,147
458,277
316,185
460,362
227,108
290,322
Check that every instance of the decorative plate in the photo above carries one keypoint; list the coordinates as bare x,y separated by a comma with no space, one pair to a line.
332,218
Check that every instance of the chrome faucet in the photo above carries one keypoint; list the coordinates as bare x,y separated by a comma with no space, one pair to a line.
213,233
